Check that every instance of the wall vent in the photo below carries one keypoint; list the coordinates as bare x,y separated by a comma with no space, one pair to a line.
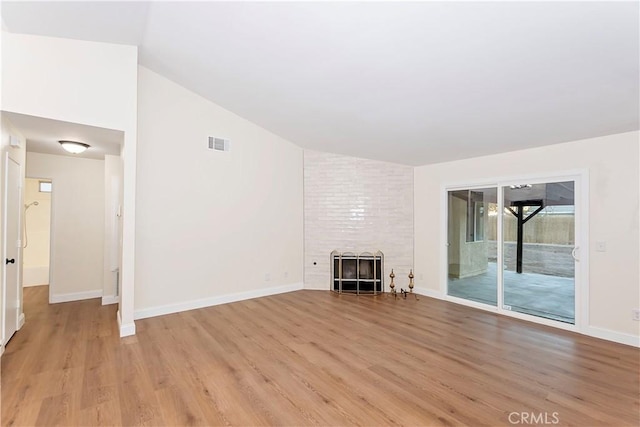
219,144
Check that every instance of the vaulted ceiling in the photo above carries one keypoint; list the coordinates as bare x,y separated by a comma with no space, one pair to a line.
412,83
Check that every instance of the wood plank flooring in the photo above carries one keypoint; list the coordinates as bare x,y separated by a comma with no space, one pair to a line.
310,358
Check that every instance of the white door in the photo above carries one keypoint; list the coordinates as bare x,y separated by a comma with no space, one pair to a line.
12,210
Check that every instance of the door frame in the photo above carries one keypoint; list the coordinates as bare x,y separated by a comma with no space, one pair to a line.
581,280
18,263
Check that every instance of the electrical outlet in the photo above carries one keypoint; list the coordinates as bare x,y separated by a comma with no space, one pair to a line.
601,246
636,314
267,277
286,274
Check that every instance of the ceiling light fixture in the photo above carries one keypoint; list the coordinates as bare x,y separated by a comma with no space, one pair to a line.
74,147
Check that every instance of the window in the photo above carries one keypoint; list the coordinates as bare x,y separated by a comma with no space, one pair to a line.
478,229
475,216
44,186
467,208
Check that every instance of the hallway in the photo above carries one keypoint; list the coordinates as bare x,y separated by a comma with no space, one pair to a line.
46,364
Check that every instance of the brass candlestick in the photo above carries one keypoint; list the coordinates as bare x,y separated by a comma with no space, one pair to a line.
404,293
392,285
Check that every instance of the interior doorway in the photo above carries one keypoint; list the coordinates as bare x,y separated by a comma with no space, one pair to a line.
513,247
12,243
36,231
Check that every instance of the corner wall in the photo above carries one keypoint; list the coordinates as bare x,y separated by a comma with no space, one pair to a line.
212,226
612,162
356,205
112,228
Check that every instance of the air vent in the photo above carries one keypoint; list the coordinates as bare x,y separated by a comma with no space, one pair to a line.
219,144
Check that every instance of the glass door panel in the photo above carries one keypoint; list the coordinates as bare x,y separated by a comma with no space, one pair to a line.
539,238
472,249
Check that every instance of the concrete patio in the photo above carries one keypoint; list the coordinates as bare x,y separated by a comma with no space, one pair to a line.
540,295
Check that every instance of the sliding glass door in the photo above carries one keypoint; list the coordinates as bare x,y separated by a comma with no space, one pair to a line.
472,250
538,246
512,246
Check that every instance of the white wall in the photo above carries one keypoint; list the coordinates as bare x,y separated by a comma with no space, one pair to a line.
70,80
88,83
612,162
37,227
112,229
211,225
356,205
77,229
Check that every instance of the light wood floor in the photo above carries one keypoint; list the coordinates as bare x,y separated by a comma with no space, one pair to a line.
310,358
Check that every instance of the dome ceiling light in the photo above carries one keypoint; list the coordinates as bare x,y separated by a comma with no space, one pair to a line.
74,147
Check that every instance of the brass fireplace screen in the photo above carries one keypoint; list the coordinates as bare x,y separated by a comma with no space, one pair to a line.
357,273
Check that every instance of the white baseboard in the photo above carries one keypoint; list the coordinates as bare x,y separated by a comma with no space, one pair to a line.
75,296
126,329
34,285
1,349
428,292
609,335
422,291
208,302
21,320
110,299
316,287
35,276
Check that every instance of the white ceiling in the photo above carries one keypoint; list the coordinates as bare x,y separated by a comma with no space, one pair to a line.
42,136
407,82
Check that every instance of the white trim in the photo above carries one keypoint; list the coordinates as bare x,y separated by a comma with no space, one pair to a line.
473,304
52,239
127,329
582,272
75,296
127,244
500,249
208,302
540,320
609,335
110,299
317,287
21,320
18,263
539,178
428,292
444,241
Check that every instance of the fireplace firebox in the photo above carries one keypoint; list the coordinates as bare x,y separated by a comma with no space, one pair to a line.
357,273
